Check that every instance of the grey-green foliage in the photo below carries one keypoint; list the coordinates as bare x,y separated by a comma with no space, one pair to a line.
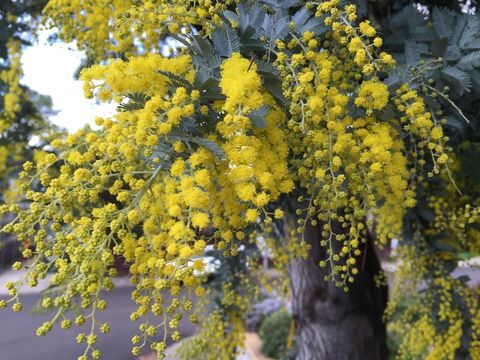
251,31
134,101
441,49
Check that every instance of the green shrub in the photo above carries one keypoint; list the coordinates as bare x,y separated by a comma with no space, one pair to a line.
274,334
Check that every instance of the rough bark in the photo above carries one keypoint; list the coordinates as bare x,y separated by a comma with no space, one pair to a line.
332,324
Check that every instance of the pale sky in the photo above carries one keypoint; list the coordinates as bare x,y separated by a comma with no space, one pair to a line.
49,70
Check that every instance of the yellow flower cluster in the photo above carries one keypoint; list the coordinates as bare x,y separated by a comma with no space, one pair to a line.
138,75
3,159
106,28
218,339
372,95
174,171
257,156
435,324
98,196
423,125
446,314
140,189
352,164
458,221
11,77
282,251
222,334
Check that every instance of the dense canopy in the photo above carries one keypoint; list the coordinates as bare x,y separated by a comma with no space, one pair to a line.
240,121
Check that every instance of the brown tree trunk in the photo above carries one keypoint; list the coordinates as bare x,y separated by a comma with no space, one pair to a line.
332,324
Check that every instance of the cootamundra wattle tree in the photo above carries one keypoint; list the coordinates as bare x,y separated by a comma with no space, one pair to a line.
276,120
